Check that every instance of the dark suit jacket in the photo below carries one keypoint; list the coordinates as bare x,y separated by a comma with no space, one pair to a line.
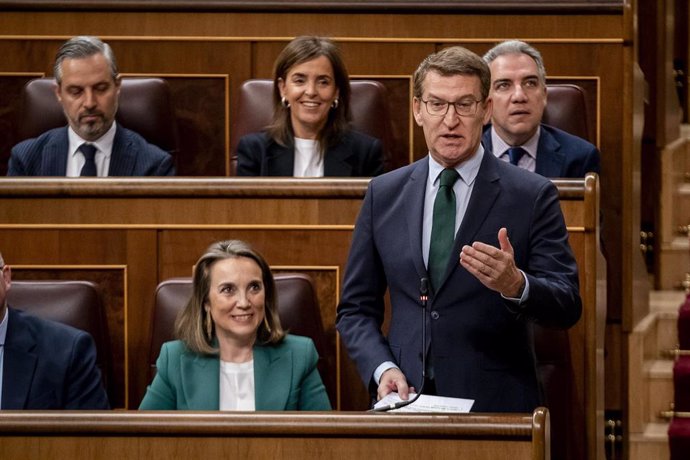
46,155
357,155
559,154
48,365
285,378
479,343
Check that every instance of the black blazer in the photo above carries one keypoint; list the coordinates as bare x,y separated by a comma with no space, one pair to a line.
48,365
356,155
559,154
46,155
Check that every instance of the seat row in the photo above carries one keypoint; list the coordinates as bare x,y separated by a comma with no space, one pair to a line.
147,107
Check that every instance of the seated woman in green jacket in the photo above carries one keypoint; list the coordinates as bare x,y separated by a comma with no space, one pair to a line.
233,353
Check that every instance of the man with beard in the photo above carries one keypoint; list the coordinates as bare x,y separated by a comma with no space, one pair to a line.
88,88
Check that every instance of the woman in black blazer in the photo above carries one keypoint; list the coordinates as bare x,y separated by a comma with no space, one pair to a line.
310,135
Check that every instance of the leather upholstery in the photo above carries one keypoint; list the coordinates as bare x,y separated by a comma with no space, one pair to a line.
298,308
566,109
75,303
368,105
145,107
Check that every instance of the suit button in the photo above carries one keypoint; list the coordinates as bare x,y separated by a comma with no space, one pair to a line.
434,315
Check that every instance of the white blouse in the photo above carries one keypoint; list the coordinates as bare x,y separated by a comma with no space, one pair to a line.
308,161
237,386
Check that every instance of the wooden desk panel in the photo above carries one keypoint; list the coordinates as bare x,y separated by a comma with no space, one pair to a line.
164,435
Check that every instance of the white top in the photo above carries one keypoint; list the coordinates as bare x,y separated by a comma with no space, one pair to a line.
237,386
104,146
308,161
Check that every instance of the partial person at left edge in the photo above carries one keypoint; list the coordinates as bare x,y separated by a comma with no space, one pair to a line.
92,144
44,364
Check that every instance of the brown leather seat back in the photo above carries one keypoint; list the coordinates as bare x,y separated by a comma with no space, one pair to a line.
298,308
145,106
75,303
254,111
566,109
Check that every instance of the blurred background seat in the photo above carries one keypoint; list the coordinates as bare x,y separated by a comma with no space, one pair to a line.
566,109
75,303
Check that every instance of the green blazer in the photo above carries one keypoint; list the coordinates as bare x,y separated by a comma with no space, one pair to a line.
285,378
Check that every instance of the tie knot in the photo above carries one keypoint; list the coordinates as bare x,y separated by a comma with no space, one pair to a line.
515,153
448,177
89,151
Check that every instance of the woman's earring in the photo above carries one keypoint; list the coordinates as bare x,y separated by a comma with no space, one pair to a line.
335,103
209,326
285,102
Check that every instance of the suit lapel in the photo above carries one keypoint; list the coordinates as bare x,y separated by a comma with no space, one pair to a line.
200,377
54,159
413,196
123,158
19,363
272,393
485,191
279,161
336,162
550,159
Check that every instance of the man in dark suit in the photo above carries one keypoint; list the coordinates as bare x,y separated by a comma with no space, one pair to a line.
492,241
88,88
518,93
44,364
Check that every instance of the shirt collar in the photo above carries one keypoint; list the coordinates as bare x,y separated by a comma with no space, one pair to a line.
104,143
467,170
501,147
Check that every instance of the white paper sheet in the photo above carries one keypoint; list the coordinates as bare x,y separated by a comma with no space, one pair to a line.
427,403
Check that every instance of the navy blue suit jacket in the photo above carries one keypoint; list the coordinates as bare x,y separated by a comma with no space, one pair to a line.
48,365
356,155
559,154
479,343
46,155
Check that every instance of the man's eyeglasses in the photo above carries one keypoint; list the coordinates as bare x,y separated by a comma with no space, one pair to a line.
438,108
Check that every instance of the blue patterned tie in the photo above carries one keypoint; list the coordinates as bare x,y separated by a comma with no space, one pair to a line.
443,227
89,168
515,153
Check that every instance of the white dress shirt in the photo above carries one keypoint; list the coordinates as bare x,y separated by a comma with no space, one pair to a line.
76,160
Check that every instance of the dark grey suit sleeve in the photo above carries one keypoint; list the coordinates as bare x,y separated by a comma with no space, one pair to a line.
249,153
16,165
361,310
374,159
551,270
84,384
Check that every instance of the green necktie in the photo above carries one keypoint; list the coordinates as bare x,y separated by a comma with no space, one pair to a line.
442,227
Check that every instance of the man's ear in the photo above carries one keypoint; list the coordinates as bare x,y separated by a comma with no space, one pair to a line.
416,110
488,110
57,92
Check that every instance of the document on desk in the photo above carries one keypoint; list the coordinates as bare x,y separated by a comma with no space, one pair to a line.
427,403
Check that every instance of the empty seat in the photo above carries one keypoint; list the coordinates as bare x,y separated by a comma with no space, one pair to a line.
298,309
145,106
75,303
254,111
